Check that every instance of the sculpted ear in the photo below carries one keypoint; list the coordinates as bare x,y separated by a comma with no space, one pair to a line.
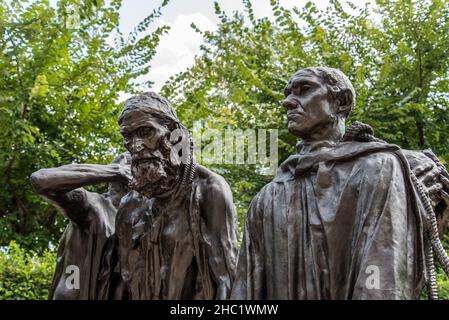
345,99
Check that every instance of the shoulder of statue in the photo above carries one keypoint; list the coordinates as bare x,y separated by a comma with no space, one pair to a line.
379,160
212,195
361,132
97,204
209,182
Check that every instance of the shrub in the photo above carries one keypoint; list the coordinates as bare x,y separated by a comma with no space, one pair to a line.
25,274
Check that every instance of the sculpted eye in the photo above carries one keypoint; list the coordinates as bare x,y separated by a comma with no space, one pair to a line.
305,88
145,132
295,85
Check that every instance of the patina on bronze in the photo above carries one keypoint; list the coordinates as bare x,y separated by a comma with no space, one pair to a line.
91,222
344,205
342,209
176,233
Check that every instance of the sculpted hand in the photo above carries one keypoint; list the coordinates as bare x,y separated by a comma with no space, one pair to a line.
429,174
125,172
443,176
444,194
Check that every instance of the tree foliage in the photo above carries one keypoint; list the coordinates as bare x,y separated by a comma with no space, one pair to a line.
25,274
394,52
62,71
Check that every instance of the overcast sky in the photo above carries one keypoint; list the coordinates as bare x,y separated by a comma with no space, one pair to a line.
177,50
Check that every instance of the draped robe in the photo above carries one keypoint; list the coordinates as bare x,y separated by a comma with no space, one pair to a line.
83,244
329,222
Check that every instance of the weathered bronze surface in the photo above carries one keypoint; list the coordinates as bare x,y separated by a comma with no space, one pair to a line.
348,216
341,210
176,236
91,220
172,237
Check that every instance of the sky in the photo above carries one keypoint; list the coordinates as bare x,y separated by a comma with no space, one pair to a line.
177,50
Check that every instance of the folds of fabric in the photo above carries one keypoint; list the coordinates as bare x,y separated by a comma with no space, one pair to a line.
331,221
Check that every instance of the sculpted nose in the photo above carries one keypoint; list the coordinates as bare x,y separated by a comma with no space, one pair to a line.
289,104
137,145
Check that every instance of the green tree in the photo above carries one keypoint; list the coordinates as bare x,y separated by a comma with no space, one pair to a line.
62,71
25,274
395,53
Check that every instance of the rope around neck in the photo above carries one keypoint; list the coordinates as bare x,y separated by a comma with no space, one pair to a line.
189,168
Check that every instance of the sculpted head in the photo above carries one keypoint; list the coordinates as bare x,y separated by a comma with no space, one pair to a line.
318,102
147,123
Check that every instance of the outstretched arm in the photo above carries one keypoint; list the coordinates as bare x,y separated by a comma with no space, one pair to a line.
62,186
73,176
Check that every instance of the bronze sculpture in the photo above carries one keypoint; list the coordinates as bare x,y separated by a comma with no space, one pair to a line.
343,218
172,238
347,217
176,236
91,221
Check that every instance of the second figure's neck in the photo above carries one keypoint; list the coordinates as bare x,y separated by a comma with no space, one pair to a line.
331,133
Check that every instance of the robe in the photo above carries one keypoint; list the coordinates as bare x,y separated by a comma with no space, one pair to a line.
341,222
82,245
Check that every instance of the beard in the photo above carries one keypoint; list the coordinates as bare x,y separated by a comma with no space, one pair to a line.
153,177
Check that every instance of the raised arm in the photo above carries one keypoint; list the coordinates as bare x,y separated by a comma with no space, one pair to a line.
69,177
62,186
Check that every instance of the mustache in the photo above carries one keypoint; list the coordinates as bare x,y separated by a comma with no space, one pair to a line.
145,160
147,173
163,152
152,156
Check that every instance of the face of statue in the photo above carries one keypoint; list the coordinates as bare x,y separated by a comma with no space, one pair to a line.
309,105
147,141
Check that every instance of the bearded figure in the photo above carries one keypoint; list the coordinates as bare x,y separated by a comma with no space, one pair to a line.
176,232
